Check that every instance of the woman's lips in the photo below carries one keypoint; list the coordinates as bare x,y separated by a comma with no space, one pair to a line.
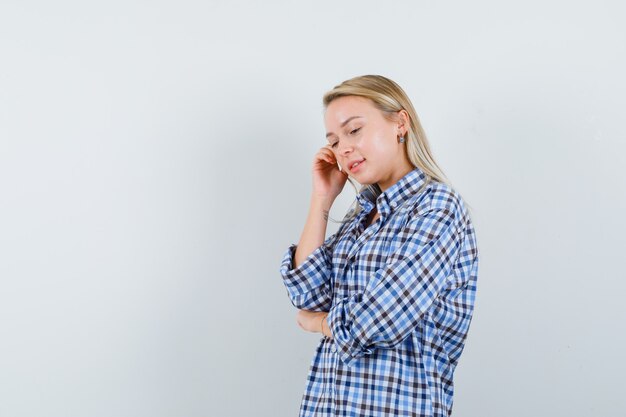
356,168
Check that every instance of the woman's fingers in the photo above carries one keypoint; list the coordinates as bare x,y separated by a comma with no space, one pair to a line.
328,155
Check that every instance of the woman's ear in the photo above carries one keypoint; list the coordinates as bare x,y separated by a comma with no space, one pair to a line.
403,122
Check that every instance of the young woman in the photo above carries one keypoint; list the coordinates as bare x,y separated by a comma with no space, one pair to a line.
393,290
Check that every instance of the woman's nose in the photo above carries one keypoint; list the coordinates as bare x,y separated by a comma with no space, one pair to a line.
345,149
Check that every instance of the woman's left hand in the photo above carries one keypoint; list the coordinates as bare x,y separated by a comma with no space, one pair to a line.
311,321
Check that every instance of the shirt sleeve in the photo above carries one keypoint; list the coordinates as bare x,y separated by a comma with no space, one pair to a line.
308,285
398,294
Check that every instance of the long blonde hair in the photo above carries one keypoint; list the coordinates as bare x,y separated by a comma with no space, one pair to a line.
390,98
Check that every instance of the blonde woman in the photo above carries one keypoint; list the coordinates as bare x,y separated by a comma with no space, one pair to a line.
392,291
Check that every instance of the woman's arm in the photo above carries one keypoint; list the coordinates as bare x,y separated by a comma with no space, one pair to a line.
306,267
314,321
328,181
314,230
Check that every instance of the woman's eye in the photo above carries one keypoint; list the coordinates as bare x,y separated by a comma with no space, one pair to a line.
334,144
355,130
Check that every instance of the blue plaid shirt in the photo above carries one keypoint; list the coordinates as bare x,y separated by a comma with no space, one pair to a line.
400,296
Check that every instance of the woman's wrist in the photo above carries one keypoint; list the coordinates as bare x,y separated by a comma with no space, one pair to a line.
322,323
321,202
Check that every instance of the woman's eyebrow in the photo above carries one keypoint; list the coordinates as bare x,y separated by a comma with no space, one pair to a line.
345,122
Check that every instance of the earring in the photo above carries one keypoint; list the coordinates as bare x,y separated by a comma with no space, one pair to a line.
401,139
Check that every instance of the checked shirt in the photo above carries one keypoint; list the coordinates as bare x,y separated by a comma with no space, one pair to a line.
400,296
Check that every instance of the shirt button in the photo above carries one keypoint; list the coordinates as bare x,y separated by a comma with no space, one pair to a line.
333,348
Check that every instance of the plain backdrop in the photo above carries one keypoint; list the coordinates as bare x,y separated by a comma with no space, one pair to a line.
155,165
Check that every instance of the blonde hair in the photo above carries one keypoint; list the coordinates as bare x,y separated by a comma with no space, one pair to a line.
390,98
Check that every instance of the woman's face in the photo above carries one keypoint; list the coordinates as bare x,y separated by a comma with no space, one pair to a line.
358,132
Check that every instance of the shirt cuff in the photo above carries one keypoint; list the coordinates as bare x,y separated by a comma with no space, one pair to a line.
348,346
310,274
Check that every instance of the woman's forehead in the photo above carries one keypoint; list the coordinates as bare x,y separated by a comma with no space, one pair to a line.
343,108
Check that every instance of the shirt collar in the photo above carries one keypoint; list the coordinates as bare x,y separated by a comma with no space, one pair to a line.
394,196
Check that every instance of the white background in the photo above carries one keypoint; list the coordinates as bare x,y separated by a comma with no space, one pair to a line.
155,165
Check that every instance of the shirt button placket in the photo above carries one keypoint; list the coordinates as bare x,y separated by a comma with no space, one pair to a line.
334,385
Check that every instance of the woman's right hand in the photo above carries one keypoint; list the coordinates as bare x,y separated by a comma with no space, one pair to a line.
328,180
